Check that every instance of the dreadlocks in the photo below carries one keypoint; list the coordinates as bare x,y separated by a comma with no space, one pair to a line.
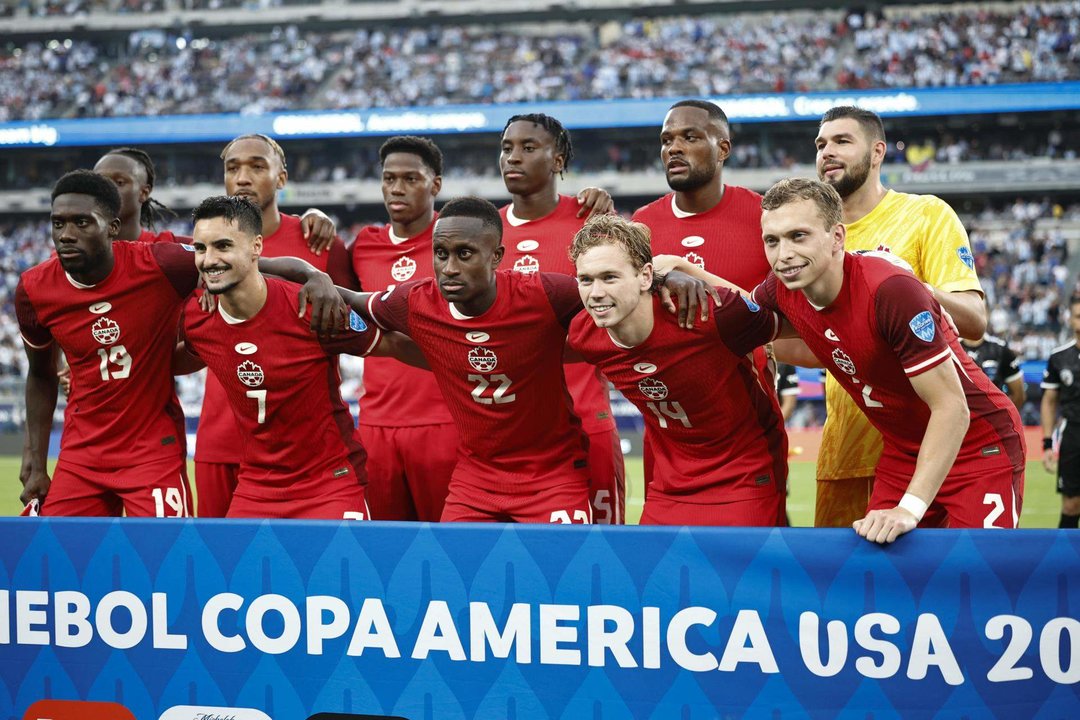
554,128
151,210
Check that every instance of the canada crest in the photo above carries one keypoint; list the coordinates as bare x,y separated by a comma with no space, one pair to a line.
653,389
527,265
105,331
696,259
250,373
403,268
843,361
482,359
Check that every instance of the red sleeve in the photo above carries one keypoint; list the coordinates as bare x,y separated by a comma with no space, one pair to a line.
33,332
562,293
390,310
910,321
339,266
743,324
177,261
359,339
765,294
181,332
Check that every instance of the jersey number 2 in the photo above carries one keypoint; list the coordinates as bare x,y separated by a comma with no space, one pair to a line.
498,396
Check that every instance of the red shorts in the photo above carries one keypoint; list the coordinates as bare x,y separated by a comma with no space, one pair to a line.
409,469
156,489
566,504
214,487
764,511
345,503
607,478
984,498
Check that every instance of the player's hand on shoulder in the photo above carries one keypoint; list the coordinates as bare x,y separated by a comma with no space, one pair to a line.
687,297
594,201
319,230
884,526
329,313
664,264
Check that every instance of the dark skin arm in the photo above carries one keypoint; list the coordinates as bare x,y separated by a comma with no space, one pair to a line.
42,388
318,229
401,348
594,201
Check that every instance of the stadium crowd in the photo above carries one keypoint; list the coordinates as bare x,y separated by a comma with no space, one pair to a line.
158,72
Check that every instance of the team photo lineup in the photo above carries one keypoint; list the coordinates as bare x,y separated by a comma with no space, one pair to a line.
490,337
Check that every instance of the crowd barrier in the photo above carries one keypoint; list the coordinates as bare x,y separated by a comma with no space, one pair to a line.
237,620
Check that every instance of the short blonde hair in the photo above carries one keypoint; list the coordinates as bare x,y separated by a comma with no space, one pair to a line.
826,198
632,237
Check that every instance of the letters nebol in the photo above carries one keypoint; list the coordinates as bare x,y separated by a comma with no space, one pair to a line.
875,645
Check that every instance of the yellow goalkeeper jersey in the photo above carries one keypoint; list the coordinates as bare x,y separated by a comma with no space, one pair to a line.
924,231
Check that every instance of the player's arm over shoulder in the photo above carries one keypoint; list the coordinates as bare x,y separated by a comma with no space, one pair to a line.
388,309
562,294
177,262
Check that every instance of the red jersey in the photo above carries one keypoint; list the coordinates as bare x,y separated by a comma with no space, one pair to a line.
118,336
395,394
501,375
216,440
543,245
883,328
725,241
297,436
167,236
714,425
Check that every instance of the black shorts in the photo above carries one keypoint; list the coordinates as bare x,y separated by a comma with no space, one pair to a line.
1068,482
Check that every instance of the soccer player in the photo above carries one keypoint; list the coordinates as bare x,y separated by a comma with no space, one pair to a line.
494,340
713,225
255,168
405,425
994,356
132,170
720,450
112,308
921,229
301,454
538,226
953,442
1061,389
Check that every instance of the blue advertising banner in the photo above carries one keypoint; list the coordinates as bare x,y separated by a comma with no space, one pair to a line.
287,620
584,114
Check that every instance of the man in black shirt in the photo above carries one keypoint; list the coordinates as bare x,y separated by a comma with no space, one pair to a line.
1061,386
1000,364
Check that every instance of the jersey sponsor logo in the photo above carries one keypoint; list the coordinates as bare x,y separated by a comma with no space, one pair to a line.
830,335
105,331
356,323
526,265
482,359
843,361
100,308
923,326
250,373
527,245
692,241
477,337
403,268
205,712
246,348
645,368
695,259
964,253
754,307
653,389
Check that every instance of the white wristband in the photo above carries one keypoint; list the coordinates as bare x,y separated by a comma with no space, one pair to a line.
914,505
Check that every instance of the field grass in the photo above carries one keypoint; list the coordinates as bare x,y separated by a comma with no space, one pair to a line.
1042,507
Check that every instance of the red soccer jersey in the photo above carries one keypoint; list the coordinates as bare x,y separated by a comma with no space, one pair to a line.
883,328
216,441
501,375
714,425
167,236
725,241
543,245
395,394
119,337
281,380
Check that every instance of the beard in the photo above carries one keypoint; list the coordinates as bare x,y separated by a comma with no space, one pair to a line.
854,177
696,178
